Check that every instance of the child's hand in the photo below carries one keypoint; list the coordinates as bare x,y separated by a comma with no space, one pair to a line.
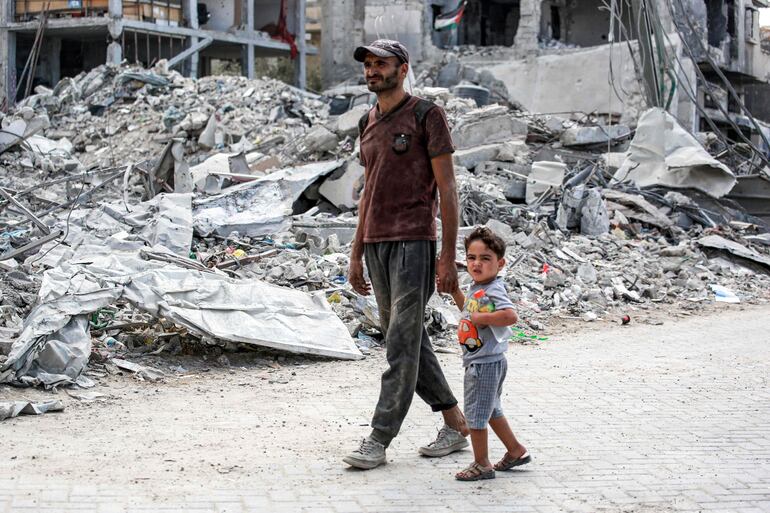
475,320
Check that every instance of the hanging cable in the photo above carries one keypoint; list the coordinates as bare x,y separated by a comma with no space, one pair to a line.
724,79
690,90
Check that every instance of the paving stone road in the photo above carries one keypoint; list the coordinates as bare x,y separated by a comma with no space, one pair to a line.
640,418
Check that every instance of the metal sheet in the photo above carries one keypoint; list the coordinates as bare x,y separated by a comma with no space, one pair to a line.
663,153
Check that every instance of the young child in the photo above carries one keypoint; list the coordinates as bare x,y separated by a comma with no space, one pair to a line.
483,333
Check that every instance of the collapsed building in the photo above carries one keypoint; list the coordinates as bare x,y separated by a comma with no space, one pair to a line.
554,56
43,41
145,212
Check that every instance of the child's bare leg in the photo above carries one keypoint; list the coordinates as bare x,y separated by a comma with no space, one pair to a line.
503,431
480,447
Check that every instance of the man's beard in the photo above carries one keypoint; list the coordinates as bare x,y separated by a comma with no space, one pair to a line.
388,82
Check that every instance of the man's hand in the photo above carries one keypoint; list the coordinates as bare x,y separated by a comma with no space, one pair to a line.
447,275
356,277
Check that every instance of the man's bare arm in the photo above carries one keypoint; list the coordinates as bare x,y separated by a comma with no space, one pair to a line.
356,268
443,171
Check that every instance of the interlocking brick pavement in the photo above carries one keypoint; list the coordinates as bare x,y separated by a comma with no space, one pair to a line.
640,418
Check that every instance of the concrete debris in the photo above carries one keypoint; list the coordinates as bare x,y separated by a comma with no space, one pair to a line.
472,157
486,125
343,187
735,248
146,213
346,124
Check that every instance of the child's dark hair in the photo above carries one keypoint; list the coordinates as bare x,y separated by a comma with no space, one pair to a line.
489,238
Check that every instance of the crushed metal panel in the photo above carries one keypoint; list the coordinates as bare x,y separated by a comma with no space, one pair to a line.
663,153
718,242
260,207
54,345
10,409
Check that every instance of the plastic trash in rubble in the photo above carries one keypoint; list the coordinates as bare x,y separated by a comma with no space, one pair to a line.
523,336
724,295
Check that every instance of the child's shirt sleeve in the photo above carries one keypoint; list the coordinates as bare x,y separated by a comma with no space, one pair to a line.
499,296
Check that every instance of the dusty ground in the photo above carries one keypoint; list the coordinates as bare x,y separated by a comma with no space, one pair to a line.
663,414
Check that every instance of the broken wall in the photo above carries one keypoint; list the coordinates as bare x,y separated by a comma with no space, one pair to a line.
488,23
402,20
342,24
573,82
577,82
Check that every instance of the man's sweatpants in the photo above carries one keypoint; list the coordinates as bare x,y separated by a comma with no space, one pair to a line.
403,278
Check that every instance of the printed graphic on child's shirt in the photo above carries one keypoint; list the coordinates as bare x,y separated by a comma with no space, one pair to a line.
467,332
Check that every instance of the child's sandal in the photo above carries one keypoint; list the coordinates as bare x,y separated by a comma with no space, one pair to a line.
475,472
508,462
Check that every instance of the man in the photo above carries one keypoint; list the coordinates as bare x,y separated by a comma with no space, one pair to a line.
406,151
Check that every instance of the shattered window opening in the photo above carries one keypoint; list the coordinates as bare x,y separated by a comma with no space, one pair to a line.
490,23
571,24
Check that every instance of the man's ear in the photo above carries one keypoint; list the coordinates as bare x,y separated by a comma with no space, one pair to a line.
405,68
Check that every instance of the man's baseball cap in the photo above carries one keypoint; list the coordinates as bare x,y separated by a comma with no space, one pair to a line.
382,48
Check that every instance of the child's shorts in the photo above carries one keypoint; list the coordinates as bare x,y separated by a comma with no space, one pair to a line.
483,387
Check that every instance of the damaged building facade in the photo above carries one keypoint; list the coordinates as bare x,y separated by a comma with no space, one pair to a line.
554,56
42,42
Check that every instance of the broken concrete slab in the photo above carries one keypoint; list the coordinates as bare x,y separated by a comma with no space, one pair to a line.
472,157
343,188
719,242
649,213
318,140
487,125
513,151
346,125
503,230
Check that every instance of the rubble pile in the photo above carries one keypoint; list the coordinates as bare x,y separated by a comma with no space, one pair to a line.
145,213
110,116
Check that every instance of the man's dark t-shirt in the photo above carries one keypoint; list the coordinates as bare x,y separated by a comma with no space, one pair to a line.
400,189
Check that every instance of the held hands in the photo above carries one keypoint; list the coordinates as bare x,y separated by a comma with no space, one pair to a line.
446,275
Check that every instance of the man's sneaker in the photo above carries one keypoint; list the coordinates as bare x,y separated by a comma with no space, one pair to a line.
447,442
370,454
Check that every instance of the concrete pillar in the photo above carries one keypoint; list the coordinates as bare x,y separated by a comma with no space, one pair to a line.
54,60
248,56
300,64
341,31
529,27
190,14
115,28
740,33
7,56
114,54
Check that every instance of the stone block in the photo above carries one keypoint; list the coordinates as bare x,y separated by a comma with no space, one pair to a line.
470,158
347,123
487,125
